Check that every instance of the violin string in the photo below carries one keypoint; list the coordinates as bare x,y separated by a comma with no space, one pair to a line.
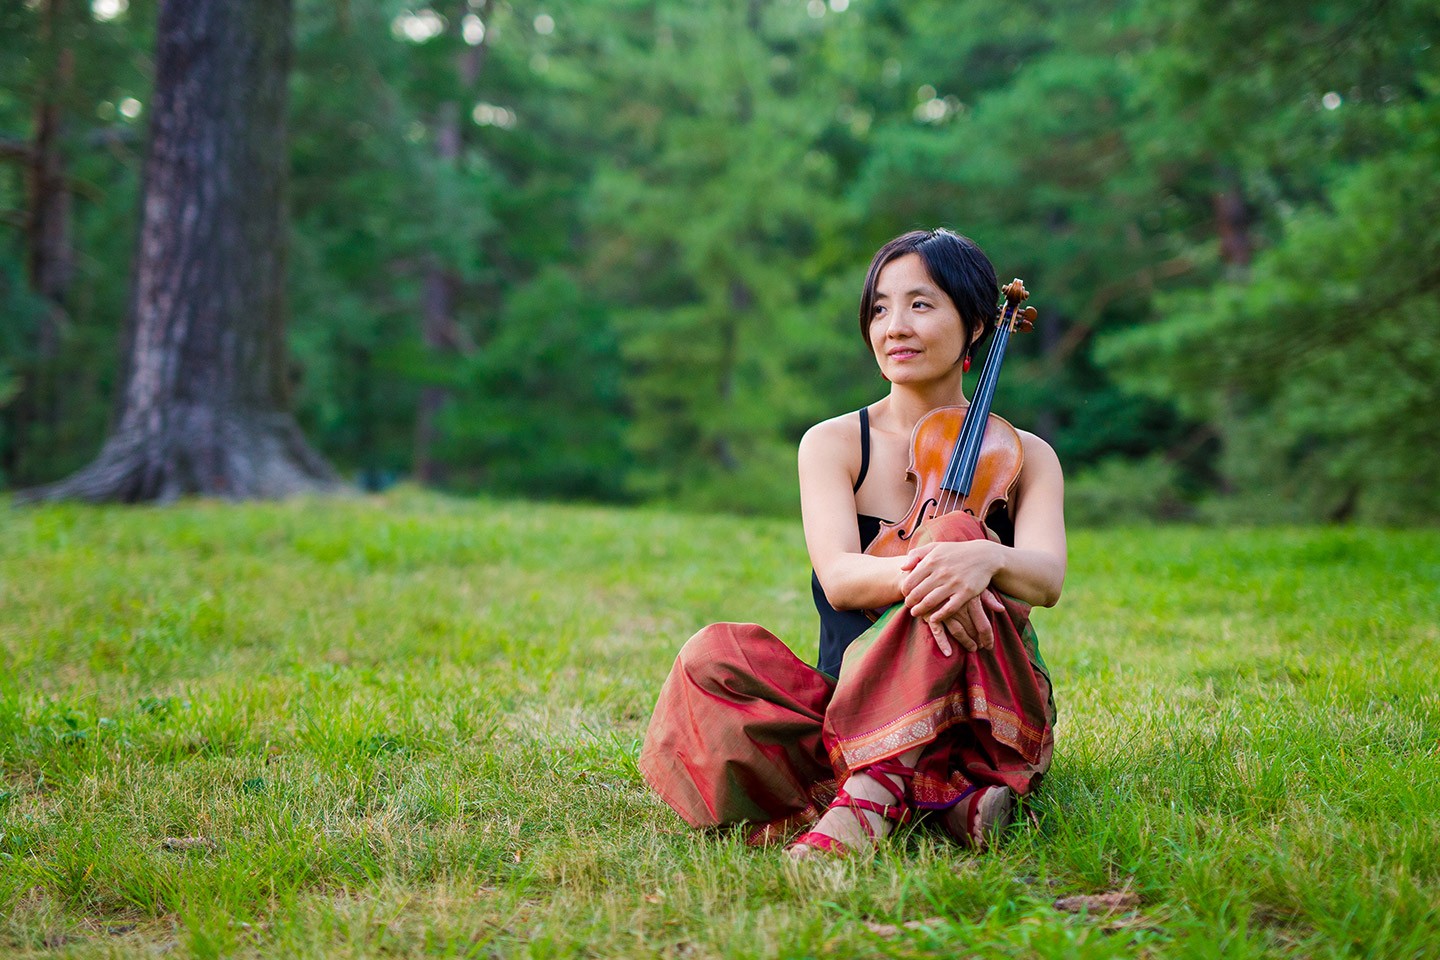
951,499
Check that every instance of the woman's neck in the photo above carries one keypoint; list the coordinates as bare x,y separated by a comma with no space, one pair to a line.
907,403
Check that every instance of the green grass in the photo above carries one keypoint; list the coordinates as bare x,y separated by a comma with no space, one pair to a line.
408,727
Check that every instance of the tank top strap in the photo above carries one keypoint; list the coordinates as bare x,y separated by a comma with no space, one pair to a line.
864,447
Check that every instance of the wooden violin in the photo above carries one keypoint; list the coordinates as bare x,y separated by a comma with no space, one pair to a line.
963,458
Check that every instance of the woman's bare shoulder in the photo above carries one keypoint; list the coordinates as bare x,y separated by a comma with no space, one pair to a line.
837,431
833,441
1040,457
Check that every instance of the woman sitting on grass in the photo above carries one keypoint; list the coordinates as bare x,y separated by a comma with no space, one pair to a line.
895,713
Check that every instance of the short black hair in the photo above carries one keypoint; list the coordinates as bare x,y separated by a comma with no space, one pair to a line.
955,264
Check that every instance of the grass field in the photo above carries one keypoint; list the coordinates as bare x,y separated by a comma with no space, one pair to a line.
408,727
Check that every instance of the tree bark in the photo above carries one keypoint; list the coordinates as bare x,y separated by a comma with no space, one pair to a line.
49,254
742,301
50,258
1051,331
204,396
1232,223
440,328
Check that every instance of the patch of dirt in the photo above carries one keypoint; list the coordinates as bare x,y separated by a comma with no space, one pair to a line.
1099,904
186,844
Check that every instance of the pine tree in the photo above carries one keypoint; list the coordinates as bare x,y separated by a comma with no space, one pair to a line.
202,408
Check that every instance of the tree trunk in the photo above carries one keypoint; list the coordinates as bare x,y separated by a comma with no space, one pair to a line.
49,255
1051,329
50,259
742,301
204,395
440,329
437,319
1232,222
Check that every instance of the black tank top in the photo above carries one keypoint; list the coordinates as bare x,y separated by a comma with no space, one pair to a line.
839,627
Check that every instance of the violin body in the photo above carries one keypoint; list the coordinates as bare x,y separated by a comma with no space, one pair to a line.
931,446
963,458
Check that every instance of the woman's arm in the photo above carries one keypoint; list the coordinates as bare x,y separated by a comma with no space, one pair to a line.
940,579
828,461
940,582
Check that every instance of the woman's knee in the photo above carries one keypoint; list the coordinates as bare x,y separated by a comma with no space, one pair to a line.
713,646
734,656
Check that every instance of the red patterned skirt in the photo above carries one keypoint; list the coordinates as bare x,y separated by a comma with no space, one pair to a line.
746,732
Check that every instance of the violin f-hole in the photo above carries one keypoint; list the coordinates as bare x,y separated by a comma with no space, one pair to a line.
924,515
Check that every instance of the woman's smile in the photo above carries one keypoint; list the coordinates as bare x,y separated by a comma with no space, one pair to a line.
915,330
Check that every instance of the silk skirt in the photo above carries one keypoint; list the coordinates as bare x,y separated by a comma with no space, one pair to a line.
744,732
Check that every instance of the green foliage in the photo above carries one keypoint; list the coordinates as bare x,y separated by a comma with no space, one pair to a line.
60,403
540,409
1119,491
702,223
408,726
655,221
1325,366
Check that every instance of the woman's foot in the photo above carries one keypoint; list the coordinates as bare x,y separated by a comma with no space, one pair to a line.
979,819
861,815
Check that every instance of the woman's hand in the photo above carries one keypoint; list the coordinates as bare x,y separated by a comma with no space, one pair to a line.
945,585
971,627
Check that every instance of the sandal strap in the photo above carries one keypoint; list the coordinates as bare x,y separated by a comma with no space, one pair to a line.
894,767
897,812
900,811
822,841
881,773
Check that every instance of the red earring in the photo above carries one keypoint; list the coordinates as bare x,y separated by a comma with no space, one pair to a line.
966,367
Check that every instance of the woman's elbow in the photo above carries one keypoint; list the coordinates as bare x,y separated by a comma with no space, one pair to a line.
1050,592
838,597
838,593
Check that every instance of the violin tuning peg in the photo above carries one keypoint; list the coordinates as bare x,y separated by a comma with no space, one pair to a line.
1031,314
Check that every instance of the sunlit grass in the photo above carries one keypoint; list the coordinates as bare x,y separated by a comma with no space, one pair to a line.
408,726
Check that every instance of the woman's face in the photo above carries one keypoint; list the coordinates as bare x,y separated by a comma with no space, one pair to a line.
915,330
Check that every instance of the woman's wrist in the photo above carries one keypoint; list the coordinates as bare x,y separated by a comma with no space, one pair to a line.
997,555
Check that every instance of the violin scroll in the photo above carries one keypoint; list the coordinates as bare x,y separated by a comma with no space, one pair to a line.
1018,319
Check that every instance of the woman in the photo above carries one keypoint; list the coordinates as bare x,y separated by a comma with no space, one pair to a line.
943,705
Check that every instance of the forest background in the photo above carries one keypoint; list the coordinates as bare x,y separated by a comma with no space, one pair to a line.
612,249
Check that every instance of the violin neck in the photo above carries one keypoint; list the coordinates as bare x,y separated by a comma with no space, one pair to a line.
961,472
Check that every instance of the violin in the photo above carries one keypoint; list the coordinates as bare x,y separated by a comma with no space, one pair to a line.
963,458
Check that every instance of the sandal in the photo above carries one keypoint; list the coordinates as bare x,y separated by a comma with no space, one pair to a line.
981,816
900,811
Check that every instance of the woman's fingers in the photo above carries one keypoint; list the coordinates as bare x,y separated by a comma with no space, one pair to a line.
970,626
924,602
949,609
915,573
915,556
974,630
980,620
961,632
993,601
924,605
924,582
942,639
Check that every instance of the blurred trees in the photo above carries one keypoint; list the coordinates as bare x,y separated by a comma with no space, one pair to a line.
612,249
1317,360
203,401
